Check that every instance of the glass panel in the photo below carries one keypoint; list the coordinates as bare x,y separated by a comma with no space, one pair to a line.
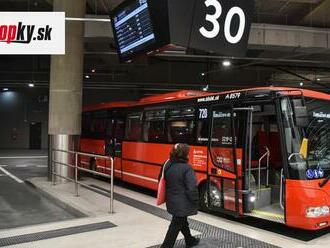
94,124
134,126
181,125
86,123
318,134
154,126
119,129
221,143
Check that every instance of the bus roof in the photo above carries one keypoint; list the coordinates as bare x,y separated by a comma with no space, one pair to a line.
187,94
285,91
107,105
191,94
178,95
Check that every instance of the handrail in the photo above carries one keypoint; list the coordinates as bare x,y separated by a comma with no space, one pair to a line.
294,154
77,168
266,154
83,153
250,146
281,191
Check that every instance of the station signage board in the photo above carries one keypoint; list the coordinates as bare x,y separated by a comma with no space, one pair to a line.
221,26
216,26
32,33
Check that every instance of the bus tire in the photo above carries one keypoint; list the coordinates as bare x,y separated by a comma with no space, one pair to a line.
215,197
203,198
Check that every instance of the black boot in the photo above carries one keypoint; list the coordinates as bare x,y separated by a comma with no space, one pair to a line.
194,241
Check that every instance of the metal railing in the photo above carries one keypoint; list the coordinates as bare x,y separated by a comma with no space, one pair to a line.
77,169
265,155
281,190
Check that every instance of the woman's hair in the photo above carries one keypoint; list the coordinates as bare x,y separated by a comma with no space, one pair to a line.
180,153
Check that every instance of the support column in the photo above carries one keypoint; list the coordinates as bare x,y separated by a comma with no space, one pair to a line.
66,79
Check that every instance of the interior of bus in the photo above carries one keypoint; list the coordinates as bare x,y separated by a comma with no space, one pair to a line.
266,164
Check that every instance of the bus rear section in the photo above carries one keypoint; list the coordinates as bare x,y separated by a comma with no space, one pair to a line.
103,130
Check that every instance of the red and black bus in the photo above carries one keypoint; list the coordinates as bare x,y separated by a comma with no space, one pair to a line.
262,152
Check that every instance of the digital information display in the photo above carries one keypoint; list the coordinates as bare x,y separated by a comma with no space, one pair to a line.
133,28
144,27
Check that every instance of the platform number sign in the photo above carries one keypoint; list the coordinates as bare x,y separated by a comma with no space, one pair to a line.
222,26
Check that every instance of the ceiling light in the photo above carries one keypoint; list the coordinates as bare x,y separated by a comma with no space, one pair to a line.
87,76
226,63
93,70
31,85
5,89
318,79
206,88
301,84
203,74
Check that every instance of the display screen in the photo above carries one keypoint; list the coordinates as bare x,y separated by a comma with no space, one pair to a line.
133,28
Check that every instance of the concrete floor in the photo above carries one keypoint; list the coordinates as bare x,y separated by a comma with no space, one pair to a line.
139,229
135,226
20,204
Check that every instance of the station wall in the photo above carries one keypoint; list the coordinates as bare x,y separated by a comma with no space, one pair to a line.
18,109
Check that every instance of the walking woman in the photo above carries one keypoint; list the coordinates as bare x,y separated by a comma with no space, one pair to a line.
181,195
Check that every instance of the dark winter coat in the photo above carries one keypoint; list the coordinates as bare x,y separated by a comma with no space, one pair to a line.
181,189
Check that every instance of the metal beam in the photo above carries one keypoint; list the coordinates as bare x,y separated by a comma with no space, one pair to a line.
318,16
262,36
287,38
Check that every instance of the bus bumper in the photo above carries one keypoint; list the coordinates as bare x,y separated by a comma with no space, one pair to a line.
307,206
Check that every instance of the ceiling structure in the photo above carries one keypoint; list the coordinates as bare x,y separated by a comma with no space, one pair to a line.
289,45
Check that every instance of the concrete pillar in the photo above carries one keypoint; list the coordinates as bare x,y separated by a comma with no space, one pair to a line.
66,79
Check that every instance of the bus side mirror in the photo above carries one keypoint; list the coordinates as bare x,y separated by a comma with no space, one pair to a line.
300,114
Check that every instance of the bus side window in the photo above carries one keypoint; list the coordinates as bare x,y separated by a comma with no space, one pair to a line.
181,125
222,140
97,125
134,126
154,126
109,127
119,131
86,125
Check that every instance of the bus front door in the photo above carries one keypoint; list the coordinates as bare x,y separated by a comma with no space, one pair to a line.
227,143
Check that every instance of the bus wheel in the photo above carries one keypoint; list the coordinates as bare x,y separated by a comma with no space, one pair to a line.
214,195
203,198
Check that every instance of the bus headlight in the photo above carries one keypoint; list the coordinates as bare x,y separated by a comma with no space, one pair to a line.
252,198
314,212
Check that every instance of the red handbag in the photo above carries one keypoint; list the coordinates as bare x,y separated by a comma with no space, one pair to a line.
161,193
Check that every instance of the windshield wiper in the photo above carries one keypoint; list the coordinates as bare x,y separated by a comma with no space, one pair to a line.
324,182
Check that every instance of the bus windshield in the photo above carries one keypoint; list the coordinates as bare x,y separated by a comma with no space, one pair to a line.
316,136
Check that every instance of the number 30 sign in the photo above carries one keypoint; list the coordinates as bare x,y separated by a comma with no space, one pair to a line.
222,26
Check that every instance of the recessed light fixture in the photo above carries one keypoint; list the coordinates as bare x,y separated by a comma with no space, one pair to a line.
318,79
301,84
87,76
5,89
206,88
31,85
226,63
203,74
93,70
